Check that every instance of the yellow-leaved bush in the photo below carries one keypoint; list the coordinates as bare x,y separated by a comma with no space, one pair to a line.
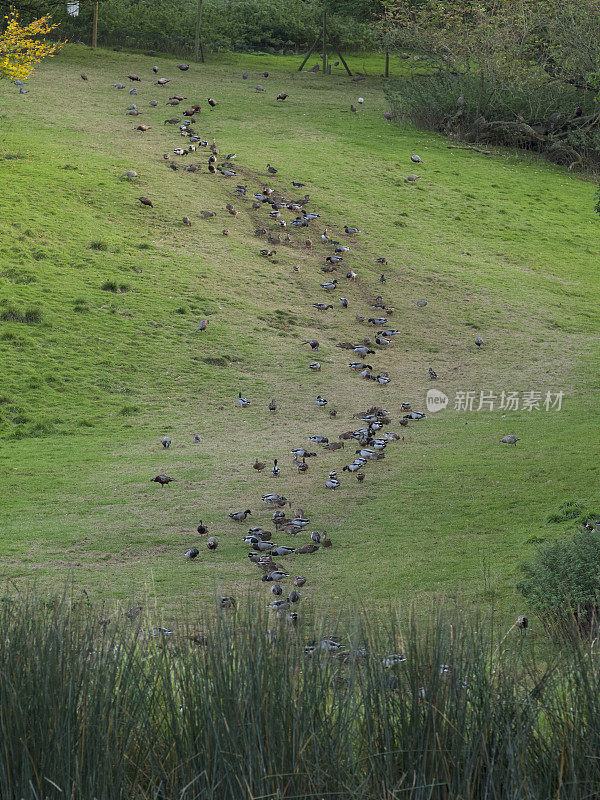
23,46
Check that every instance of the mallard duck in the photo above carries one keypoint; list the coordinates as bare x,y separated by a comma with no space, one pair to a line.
325,540
479,341
352,276
332,483
333,446
320,401
243,402
227,602
258,465
360,477
240,516
325,237
283,550
344,302
281,96
165,441
208,214
415,415
212,543
301,466
275,500
322,306
202,325
332,644
354,467
332,412
212,102
412,178
299,581
377,320
272,406
279,605
275,471
421,303
262,546
145,201
308,244
163,480
315,537
300,452
307,548
276,590
202,529
315,366
510,439
416,159
329,286
432,374
294,596
271,170
359,366
192,553
383,380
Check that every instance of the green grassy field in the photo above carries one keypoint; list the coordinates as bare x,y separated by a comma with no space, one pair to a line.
504,247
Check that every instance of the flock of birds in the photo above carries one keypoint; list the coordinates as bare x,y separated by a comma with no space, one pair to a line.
289,221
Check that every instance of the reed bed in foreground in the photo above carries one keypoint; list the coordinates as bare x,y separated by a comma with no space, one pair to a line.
248,706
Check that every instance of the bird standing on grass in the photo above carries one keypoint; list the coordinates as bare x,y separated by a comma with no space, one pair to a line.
163,480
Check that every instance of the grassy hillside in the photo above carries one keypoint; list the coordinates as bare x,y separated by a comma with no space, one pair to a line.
503,247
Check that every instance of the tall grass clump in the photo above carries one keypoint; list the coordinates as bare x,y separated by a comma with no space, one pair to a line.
241,706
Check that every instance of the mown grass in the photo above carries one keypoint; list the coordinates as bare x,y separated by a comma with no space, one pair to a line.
110,703
504,247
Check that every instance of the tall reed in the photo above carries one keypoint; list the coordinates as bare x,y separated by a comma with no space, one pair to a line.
107,709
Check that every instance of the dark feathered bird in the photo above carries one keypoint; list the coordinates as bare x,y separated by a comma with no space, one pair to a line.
134,78
212,543
192,553
84,77
245,75
162,479
212,102
145,201
202,529
183,67
281,96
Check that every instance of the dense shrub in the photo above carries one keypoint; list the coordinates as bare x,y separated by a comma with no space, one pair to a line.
562,582
515,67
267,25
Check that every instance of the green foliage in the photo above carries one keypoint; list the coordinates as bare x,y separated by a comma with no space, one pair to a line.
562,581
243,25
